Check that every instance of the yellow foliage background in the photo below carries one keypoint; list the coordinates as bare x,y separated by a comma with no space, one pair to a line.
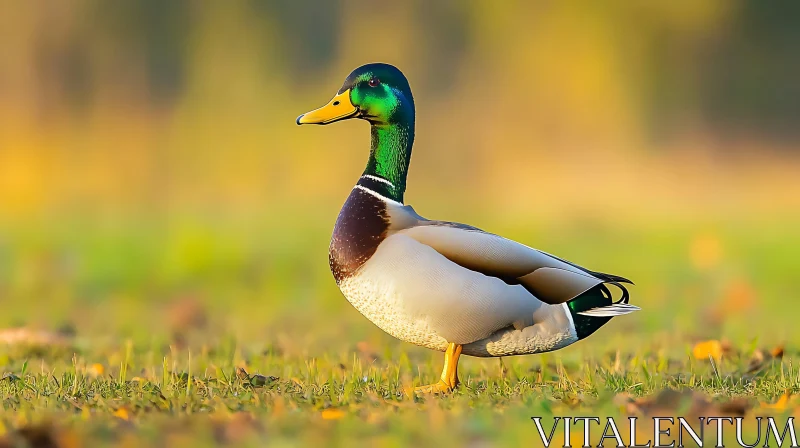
148,150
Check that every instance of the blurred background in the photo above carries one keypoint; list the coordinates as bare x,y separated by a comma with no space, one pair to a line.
154,185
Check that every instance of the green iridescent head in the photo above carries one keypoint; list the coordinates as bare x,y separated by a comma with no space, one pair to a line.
378,93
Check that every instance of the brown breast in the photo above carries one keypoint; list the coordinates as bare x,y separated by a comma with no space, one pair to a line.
360,228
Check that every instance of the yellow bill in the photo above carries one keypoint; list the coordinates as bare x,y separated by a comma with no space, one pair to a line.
337,109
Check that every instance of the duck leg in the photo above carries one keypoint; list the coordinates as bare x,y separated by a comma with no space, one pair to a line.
449,379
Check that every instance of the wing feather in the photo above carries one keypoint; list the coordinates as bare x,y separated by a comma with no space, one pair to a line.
550,279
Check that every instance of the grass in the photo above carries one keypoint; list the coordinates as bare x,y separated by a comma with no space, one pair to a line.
197,334
207,398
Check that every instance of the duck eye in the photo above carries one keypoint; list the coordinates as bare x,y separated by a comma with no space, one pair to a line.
373,82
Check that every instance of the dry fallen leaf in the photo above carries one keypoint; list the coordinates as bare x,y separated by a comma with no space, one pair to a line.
762,357
712,348
258,380
123,413
779,405
96,370
757,362
242,374
332,414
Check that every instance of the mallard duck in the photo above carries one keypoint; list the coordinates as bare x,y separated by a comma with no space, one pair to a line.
446,286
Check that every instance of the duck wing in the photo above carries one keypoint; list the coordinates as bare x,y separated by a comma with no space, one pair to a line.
548,278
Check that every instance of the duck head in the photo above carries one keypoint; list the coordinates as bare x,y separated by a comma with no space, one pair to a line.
378,93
